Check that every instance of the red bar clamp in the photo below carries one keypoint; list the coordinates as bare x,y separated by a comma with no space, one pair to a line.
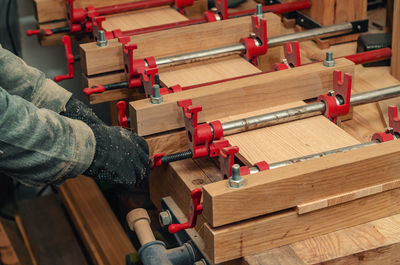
394,127
226,160
220,12
292,56
195,209
204,139
337,103
123,120
256,44
70,60
181,4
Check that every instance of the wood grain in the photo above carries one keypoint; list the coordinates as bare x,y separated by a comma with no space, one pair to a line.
246,94
286,187
96,223
250,237
143,18
395,67
383,107
172,41
50,10
375,242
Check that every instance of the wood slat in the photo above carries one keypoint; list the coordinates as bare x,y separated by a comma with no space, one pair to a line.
395,67
286,187
174,41
246,94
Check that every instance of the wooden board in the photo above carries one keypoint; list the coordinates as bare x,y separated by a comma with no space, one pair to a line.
96,60
384,105
199,73
375,242
97,225
143,18
49,233
301,182
246,94
289,140
396,41
250,237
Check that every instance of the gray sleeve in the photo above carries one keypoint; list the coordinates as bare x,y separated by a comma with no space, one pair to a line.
31,84
39,146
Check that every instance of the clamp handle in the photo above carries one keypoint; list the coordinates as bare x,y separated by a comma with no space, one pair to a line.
195,209
123,120
94,89
70,60
341,93
45,32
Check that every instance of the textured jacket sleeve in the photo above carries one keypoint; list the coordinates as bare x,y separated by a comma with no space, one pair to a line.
39,146
31,84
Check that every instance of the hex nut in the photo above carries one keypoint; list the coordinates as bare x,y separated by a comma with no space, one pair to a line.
165,218
329,63
156,100
236,184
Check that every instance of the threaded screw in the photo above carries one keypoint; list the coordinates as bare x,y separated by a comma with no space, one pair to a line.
101,39
259,11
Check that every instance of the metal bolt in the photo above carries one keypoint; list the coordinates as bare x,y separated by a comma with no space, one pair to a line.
200,262
101,39
165,218
329,61
214,10
253,35
156,98
331,93
302,20
236,181
259,11
389,130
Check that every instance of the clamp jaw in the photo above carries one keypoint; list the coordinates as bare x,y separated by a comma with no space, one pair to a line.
257,43
393,132
292,56
337,102
70,60
195,209
220,12
78,17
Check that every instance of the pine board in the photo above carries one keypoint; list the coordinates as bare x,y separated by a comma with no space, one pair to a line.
142,18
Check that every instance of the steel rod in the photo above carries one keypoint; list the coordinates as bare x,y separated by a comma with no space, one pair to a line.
241,48
301,112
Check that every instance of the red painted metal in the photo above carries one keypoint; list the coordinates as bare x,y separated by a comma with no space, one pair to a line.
123,120
113,9
370,56
252,49
277,9
70,60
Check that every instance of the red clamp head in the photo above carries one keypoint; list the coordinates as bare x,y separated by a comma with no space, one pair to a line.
226,160
201,136
97,24
43,32
222,7
76,16
123,120
70,60
195,209
394,127
148,79
157,160
181,4
341,93
292,56
257,44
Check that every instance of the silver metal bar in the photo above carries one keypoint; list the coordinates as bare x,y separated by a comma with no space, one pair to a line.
310,110
311,33
288,162
241,48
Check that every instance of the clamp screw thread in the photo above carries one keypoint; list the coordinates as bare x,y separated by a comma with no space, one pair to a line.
259,11
236,172
329,61
156,97
101,39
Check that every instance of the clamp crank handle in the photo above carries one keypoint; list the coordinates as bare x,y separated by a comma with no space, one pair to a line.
45,32
94,89
160,159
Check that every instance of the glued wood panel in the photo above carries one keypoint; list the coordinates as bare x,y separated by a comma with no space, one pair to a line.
204,72
375,242
290,140
143,18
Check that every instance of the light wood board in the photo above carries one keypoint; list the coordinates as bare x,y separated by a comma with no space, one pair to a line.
396,41
142,18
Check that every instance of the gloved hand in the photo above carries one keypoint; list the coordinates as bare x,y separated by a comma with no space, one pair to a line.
121,157
76,109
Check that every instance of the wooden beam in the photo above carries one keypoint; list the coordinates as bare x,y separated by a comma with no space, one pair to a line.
50,10
101,232
375,242
286,187
246,94
258,234
97,60
395,67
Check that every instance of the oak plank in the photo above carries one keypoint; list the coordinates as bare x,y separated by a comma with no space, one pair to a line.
246,94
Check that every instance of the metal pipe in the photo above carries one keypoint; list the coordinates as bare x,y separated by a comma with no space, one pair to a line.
309,110
313,156
241,48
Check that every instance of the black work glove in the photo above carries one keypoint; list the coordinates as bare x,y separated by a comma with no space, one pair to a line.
121,157
76,109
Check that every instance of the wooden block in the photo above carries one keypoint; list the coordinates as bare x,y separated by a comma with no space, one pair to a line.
395,67
142,18
258,234
169,143
203,72
50,235
346,197
246,94
54,39
96,223
286,187
375,242
50,10
173,41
